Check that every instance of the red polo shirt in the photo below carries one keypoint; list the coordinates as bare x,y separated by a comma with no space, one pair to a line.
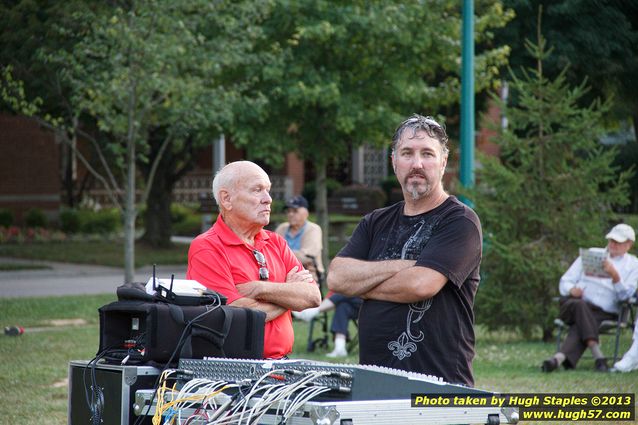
219,260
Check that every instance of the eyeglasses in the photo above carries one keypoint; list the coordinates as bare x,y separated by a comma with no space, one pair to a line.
429,121
418,123
263,267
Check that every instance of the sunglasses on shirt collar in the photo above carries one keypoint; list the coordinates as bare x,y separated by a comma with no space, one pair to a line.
261,262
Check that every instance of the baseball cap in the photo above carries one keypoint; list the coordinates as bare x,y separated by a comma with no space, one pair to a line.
621,233
297,202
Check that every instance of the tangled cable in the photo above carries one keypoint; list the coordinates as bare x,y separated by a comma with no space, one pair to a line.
249,402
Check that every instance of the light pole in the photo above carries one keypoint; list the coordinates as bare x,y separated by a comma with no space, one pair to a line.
466,171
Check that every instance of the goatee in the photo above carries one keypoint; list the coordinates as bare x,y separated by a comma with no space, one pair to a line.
416,194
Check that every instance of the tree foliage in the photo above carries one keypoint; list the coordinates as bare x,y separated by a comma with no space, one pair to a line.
598,40
151,77
28,33
349,71
551,191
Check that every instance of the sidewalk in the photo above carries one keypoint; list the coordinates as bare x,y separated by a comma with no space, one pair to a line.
72,279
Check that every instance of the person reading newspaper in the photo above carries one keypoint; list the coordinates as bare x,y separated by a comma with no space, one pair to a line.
589,297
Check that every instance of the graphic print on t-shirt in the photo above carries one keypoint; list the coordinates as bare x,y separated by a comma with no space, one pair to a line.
419,230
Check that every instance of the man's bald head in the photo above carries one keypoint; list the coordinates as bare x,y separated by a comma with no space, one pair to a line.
231,174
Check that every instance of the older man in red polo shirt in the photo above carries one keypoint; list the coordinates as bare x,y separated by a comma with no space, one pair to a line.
252,267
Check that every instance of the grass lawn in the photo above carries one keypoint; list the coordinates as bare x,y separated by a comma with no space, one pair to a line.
33,389
34,367
9,267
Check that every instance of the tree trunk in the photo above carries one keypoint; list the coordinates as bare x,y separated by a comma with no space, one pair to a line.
129,206
67,156
157,220
174,163
321,205
129,215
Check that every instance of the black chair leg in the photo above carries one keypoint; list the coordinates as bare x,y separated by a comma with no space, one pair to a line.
617,342
311,343
322,341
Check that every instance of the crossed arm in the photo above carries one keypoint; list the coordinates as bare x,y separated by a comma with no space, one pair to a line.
398,281
298,293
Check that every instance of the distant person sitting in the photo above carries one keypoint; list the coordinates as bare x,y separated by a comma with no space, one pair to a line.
346,309
587,300
305,239
303,236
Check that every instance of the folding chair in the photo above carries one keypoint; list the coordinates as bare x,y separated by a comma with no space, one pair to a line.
321,321
322,341
626,319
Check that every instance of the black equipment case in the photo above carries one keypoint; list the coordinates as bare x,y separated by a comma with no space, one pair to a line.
137,332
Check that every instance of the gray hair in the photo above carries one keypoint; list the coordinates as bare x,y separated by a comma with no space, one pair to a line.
420,123
229,176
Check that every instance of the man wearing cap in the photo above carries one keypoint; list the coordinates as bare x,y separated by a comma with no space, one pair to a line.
252,267
588,300
305,239
303,236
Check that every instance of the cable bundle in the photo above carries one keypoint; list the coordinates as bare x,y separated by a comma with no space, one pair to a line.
247,406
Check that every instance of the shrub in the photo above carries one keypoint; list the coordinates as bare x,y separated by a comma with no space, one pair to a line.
10,234
15,234
6,217
35,218
179,213
185,220
69,220
102,222
550,192
190,226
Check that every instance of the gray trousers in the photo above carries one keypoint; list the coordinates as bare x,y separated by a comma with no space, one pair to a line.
583,319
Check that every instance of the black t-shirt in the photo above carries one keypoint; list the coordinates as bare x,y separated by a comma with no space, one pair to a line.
433,336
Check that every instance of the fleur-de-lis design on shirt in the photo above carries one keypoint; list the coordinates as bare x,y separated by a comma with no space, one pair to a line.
402,347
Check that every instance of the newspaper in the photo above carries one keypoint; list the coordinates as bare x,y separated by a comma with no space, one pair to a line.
593,259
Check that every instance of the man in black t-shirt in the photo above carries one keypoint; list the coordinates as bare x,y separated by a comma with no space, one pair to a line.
416,265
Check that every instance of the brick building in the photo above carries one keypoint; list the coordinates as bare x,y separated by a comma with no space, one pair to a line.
29,167
33,166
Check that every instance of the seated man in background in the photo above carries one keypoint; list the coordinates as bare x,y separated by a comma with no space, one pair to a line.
252,267
588,300
303,236
305,239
